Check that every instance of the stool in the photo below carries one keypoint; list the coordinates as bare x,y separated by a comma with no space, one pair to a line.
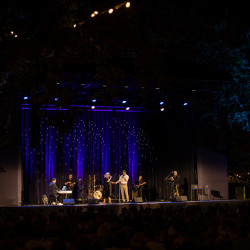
56,196
195,188
204,193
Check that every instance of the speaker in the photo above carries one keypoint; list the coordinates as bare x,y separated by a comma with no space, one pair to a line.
93,201
181,198
68,202
137,199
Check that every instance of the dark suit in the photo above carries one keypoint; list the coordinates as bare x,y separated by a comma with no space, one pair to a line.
174,185
52,191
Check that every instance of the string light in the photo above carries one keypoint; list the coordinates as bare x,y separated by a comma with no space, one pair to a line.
127,4
110,11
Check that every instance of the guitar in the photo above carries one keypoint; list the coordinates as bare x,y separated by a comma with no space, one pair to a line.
137,186
70,184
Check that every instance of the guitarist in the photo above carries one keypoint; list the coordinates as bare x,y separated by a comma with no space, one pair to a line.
139,185
70,183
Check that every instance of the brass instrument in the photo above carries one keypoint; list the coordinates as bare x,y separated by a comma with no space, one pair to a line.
176,191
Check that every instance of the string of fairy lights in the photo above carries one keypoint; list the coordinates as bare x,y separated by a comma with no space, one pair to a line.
107,11
92,15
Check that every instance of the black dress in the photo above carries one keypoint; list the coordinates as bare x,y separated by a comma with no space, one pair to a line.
106,189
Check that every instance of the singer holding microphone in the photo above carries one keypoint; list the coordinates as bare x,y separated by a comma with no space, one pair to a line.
107,188
124,185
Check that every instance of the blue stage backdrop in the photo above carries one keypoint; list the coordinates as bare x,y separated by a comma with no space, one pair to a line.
96,143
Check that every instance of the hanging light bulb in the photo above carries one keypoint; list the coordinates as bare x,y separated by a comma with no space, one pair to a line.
111,11
127,4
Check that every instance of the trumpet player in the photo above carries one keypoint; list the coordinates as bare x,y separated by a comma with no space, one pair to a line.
123,180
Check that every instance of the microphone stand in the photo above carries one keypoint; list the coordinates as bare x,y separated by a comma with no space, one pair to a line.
168,175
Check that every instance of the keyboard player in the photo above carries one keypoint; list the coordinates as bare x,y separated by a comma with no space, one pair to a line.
53,190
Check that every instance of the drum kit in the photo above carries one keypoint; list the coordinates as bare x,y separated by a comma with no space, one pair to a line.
94,191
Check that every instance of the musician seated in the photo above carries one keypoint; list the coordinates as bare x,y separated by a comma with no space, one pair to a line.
53,191
139,186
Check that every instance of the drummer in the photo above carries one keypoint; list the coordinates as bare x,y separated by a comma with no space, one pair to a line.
107,188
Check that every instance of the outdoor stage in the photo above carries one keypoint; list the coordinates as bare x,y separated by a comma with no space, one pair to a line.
118,207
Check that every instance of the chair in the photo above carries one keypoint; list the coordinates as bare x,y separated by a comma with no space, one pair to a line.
203,191
194,187
216,194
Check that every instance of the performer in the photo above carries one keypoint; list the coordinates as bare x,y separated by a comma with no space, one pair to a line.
107,188
70,183
53,190
175,184
78,191
139,186
124,185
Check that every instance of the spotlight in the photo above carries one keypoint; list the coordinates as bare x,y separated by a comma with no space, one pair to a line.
92,15
127,4
162,109
16,36
92,107
124,101
161,103
96,12
25,98
94,100
111,11
74,25
185,104
56,99
128,108
12,32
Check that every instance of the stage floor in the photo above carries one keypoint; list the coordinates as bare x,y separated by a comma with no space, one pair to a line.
117,207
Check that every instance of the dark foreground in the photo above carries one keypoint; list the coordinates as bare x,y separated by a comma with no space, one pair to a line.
151,225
